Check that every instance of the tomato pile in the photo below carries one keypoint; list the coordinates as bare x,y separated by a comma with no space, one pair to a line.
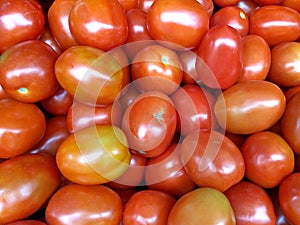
165,112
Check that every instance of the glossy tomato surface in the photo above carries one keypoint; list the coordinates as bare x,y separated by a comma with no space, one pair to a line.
27,222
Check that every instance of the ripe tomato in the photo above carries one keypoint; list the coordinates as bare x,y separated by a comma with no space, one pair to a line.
248,6
149,123
212,160
27,71
20,20
251,204
27,222
294,4
268,159
3,94
250,107
202,206
208,5
128,4
26,183
48,38
171,21
148,207
85,205
290,92
268,2
22,126
93,155
98,23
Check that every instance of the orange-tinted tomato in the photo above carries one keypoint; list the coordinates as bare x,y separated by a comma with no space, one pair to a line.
248,6
268,2
294,4
128,4
27,222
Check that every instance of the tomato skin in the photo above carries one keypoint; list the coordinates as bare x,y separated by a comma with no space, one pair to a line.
148,207
268,2
105,158
21,20
84,204
86,21
294,4
290,92
248,6
206,155
267,22
268,159
22,127
28,71
211,205
163,23
220,57
27,222
128,5
250,107
289,198
3,94
35,179
48,38
251,204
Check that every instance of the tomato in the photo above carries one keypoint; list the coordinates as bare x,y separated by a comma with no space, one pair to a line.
58,20
294,4
290,92
27,71
149,123
93,155
290,123
250,107
211,205
26,183
232,16
84,204
48,38
20,20
127,96
193,109
256,58
276,24
268,159
148,207
208,5
145,5
128,5
165,23
98,23
89,75
224,3
3,94
289,198
22,127
268,2
212,160
248,6
156,68
166,173
251,204
26,222
188,62
284,69
220,57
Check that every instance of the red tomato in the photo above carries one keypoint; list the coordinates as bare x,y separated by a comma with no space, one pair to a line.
156,68
250,107
148,207
267,22
27,71
170,22
284,69
202,206
85,205
27,222
232,16
20,20
128,4
188,62
212,160
224,3
208,5
268,2
127,96
149,124
22,126
3,94
268,159
256,58
98,23
26,183
89,75
248,6
48,38
251,204
294,4
290,92
289,198
220,57
145,5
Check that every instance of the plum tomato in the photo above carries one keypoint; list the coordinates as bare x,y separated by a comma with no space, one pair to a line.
98,23
268,2
128,4
3,94
148,207
49,39
170,22
291,91
22,126
220,57
89,75
27,71
250,107
149,123
26,183
289,198
224,3
208,5
20,20
27,222
251,204
268,158
294,4
248,6
212,160
211,205
85,205
94,155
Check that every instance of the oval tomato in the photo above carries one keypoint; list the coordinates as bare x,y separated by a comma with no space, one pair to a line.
248,6
48,38
27,222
